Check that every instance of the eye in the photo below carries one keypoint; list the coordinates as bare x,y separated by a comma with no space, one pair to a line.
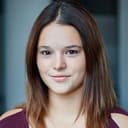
45,52
72,52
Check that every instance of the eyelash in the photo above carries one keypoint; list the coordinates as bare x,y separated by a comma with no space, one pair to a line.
68,52
45,52
72,52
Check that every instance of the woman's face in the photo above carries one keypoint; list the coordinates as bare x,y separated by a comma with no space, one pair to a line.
61,59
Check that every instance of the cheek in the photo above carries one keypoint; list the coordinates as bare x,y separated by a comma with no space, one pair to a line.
42,65
80,71
79,65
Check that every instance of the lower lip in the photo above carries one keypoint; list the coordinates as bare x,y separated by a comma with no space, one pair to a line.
60,79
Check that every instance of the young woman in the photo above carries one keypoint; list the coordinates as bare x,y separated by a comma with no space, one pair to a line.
68,81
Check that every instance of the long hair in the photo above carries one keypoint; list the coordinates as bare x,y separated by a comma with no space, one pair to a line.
98,95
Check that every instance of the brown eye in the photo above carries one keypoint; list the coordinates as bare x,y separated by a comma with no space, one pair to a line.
71,52
45,52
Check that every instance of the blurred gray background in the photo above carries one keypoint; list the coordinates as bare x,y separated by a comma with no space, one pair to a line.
16,19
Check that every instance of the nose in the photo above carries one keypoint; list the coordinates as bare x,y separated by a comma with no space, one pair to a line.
59,62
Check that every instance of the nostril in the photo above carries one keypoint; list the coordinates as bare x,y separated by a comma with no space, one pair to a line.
60,66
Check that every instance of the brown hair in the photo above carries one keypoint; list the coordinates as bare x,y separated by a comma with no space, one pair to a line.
98,94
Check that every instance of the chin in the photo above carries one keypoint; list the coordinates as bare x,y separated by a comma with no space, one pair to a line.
65,91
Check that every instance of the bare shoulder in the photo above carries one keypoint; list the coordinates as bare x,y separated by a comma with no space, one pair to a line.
9,113
120,119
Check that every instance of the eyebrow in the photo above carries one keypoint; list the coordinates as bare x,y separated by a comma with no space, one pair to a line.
67,47
44,46
73,46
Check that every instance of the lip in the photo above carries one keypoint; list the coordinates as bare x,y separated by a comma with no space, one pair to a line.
60,78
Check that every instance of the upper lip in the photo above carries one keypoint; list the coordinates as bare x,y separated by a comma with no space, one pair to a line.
60,75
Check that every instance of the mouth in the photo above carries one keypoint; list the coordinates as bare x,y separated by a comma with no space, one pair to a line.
60,78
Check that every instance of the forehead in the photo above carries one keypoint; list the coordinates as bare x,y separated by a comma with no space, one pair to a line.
59,35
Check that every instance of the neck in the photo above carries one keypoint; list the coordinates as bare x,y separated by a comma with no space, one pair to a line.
66,105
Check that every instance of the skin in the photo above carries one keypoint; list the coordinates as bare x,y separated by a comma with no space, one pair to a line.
62,66
61,58
64,90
